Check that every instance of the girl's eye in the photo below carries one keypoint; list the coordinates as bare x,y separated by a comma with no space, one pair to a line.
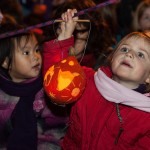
141,55
38,50
124,50
26,53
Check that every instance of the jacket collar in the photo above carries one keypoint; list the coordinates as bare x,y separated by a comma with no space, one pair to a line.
115,92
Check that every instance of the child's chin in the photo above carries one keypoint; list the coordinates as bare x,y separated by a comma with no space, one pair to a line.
33,75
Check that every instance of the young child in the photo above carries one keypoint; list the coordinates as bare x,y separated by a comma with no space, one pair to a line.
113,112
141,17
28,121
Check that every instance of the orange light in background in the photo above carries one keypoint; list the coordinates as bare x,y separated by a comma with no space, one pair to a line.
39,9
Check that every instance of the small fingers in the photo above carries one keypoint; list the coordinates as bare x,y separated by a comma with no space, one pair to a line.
72,12
69,14
62,26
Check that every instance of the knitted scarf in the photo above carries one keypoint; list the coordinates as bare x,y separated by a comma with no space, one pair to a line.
115,92
23,119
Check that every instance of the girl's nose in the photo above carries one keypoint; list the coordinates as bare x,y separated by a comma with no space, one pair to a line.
35,57
130,54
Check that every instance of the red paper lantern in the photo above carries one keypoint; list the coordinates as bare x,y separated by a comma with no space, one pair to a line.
65,81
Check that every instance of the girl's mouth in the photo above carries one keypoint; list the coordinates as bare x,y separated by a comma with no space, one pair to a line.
36,67
126,64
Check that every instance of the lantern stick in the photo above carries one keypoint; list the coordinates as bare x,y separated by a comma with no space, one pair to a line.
12,33
80,20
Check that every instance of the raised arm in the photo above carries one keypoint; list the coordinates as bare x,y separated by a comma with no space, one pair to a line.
57,49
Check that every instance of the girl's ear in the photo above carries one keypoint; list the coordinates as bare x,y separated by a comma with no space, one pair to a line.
5,63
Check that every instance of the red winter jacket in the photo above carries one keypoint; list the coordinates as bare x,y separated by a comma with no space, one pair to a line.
94,124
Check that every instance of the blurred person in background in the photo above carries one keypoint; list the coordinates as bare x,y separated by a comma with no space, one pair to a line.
1,17
141,19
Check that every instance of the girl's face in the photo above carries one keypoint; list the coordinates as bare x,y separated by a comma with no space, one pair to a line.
131,63
27,60
144,21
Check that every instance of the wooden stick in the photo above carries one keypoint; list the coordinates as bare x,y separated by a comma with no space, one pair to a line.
80,20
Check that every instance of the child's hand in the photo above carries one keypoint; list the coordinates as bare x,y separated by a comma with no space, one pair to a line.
69,24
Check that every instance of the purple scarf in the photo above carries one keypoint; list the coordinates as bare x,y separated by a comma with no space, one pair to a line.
23,120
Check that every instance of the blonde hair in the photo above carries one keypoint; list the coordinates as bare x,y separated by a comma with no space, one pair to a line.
143,35
138,14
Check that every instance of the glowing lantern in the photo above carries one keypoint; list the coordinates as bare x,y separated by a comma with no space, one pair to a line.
64,82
